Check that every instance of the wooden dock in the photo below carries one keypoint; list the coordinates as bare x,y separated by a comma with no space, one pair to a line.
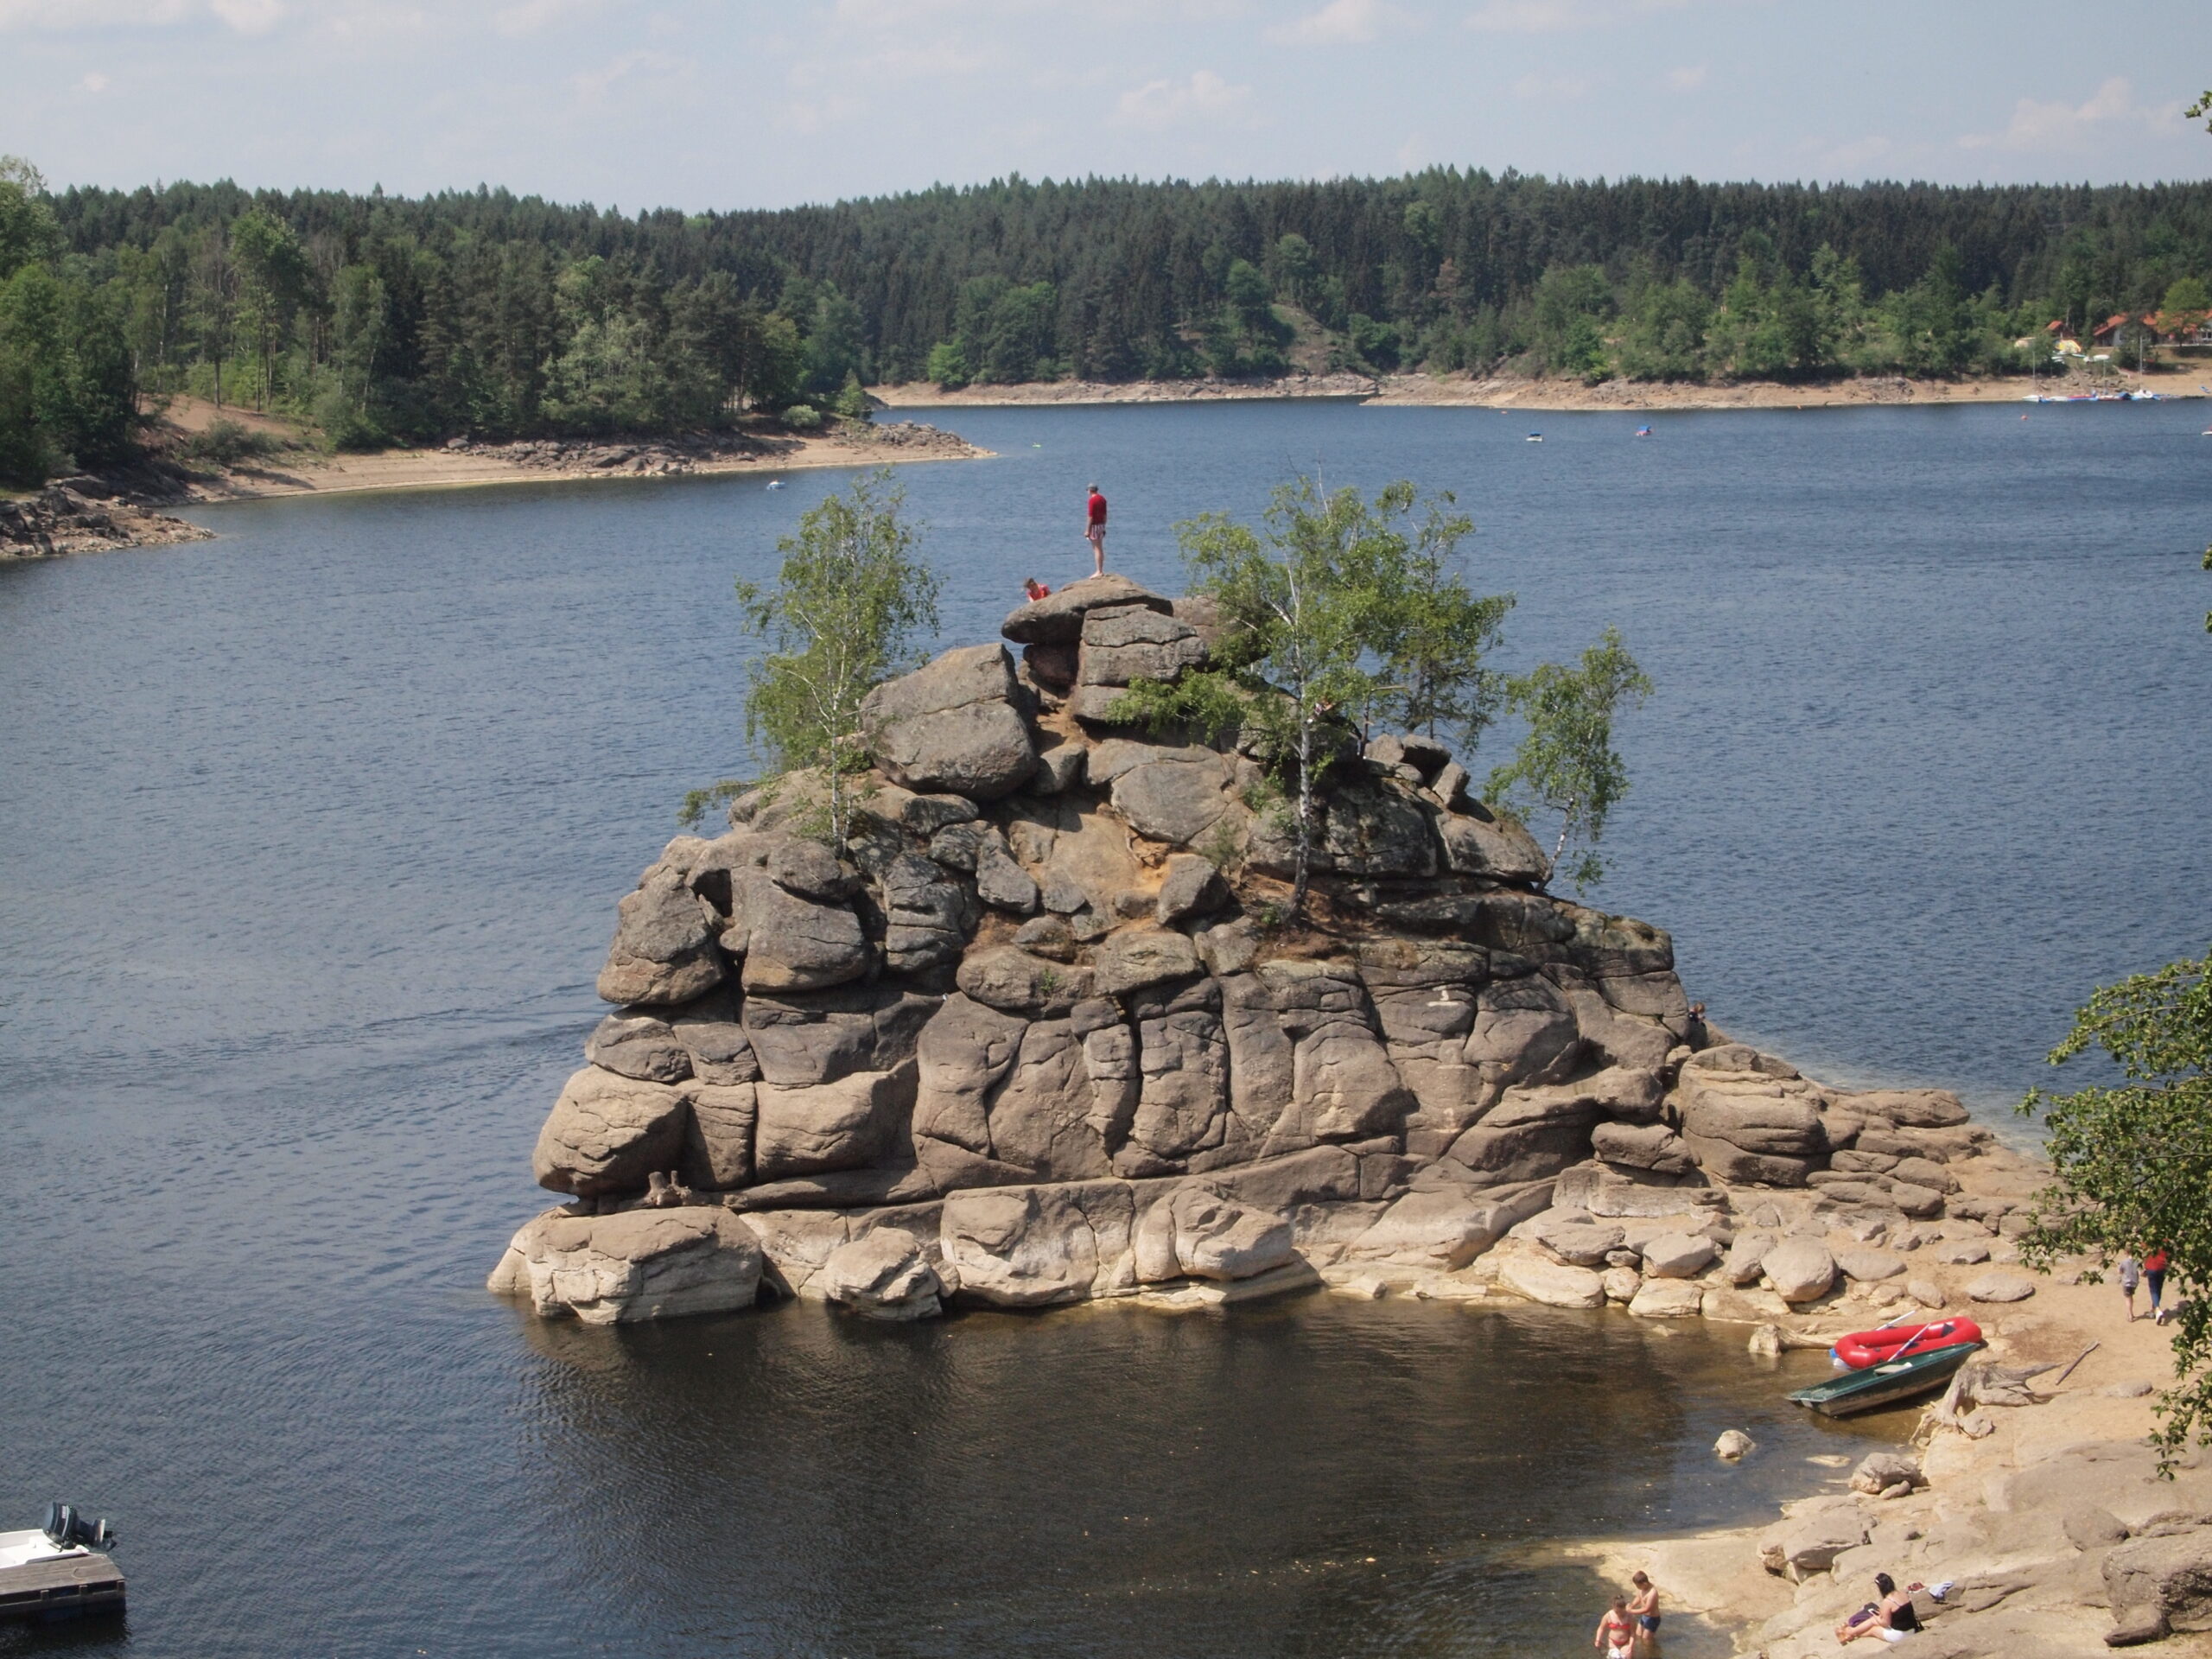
68,1588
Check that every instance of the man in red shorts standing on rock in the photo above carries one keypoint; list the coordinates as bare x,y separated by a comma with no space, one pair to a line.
1095,529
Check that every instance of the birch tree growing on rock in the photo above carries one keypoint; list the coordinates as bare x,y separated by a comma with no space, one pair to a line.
1566,764
848,603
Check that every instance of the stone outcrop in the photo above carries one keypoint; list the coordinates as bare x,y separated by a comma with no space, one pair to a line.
1034,1034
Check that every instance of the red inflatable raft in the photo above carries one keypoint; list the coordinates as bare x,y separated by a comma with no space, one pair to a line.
1864,1348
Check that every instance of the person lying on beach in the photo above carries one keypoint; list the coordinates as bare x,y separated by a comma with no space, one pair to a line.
1891,1618
1643,1607
1616,1636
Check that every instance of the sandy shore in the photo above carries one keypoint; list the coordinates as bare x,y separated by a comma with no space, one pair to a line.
1461,390
446,468
2004,1516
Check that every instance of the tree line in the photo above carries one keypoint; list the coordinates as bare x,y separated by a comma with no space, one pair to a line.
382,319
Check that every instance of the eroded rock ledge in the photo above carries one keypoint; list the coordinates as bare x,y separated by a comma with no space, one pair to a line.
1025,1041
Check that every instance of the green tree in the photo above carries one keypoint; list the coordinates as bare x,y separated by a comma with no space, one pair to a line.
1566,764
848,603
272,281
28,230
1570,304
2132,1162
947,366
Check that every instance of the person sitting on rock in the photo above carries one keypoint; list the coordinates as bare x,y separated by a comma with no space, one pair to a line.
1616,1636
1891,1617
1035,588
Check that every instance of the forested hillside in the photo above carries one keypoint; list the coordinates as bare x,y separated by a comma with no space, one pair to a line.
381,319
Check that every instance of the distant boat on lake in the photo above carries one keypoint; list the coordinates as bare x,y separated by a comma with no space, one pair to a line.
1643,431
1536,437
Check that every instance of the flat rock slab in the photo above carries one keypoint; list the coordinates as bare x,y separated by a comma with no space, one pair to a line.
1057,619
1667,1298
1553,1284
1870,1266
2001,1287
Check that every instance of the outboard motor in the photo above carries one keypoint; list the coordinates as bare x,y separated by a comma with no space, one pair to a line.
65,1528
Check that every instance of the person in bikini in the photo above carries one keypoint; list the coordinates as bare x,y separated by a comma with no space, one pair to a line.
1892,1618
1643,1607
1616,1636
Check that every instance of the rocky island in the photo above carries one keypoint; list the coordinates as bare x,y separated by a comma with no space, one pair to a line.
1039,1036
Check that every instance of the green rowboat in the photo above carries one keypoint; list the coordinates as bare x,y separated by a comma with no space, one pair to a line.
1879,1385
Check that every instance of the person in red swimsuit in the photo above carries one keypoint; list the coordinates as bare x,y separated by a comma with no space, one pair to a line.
1095,529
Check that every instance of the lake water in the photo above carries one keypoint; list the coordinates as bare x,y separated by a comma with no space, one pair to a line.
313,836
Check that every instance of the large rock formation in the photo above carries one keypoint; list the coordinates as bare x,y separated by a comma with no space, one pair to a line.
1035,1035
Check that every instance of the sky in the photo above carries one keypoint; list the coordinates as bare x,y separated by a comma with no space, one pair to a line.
731,103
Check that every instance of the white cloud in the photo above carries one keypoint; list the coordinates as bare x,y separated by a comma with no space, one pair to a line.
1531,17
528,16
250,16
2038,126
1688,79
1551,89
90,14
593,85
94,83
1341,22
1205,98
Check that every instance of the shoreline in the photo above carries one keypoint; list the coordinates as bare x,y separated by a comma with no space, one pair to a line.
1998,1504
1498,392
133,508
464,467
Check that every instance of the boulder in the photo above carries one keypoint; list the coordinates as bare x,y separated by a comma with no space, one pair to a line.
1574,1240
1678,1256
954,724
1478,842
1551,1284
1124,644
664,950
792,944
1029,1247
846,1124
1443,1228
2162,1584
1869,1266
1801,1269
1621,1284
1002,883
1201,1233
884,1274
639,1046
1191,886
807,1037
1058,619
1176,796
718,1135
1134,958
1642,1146
1011,980
1734,1444
1926,1292
1667,1299
1811,1541
927,915
721,1049
607,1133
1374,830
1879,1470
1916,1108
2001,1287
640,1264
1742,1265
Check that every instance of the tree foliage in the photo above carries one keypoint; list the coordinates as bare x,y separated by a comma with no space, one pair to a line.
2132,1160
848,601
1567,765
1340,615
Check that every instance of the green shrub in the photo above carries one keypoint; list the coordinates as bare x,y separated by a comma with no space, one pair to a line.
803,418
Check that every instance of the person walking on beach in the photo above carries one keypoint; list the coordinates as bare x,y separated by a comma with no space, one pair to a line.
2130,1274
1616,1636
1643,1607
2154,1280
1093,529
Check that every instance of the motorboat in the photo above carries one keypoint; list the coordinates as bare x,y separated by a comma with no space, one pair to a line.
61,1570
